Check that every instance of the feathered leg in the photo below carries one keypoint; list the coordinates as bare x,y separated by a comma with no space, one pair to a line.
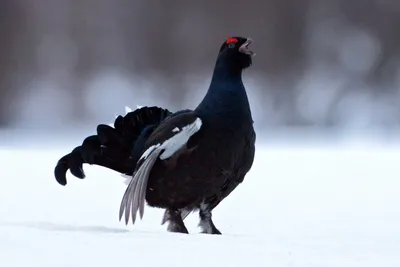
175,221
167,216
206,223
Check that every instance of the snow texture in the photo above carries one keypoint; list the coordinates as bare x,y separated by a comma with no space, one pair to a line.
308,206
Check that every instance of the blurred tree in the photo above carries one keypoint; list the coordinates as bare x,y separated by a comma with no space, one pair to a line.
11,22
165,42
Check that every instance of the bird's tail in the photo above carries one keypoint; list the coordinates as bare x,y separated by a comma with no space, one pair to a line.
116,147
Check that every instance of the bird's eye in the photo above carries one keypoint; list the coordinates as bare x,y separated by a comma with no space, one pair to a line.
231,42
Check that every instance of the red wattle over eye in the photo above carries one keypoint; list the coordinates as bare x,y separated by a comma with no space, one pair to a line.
232,40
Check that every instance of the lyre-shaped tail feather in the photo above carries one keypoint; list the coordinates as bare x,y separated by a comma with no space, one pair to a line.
135,194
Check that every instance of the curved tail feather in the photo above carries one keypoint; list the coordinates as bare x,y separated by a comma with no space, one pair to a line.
135,194
117,148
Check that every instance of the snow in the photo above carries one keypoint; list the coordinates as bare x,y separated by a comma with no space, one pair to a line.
300,205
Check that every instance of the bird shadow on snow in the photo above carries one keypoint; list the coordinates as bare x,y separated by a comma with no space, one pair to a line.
47,226
57,227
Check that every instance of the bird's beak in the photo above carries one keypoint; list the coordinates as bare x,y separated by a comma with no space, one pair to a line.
244,48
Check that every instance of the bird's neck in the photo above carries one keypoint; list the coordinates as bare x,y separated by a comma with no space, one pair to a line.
226,70
226,97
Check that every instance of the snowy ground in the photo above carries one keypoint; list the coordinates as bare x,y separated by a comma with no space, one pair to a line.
299,206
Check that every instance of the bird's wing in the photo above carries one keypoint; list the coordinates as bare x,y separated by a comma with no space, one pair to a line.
169,137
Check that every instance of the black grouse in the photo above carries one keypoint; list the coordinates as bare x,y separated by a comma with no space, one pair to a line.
183,161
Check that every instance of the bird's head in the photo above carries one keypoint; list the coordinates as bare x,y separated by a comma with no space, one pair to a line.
237,51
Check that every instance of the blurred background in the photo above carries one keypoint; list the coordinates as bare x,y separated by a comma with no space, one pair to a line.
72,64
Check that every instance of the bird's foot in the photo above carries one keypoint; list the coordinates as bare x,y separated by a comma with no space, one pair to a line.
209,228
175,222
175,227
206,223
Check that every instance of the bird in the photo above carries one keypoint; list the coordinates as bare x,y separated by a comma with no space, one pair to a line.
183,161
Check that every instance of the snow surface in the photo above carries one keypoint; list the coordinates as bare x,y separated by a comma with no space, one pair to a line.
299,206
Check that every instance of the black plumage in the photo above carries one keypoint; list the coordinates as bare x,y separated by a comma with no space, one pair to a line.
192,159
117,148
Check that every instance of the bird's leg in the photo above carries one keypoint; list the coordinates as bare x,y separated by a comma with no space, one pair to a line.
184,213
175,221
206,223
